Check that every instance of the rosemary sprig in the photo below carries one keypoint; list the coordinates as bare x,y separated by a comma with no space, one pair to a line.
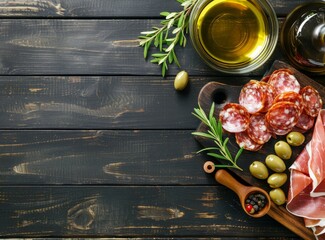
165,38
215,134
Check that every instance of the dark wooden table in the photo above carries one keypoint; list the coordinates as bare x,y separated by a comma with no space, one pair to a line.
94,142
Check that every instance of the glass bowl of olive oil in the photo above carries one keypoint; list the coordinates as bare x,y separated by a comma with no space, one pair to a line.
234,36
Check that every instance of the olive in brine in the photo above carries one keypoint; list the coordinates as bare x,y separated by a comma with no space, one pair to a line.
258,170
275,163
276,180
295,138
283,150
277,196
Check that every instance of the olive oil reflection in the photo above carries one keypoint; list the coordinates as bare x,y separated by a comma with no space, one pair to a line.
232,31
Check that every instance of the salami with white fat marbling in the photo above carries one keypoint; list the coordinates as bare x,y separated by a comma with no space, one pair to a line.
234,118
257,129
312,101
252,97
283,80
244,141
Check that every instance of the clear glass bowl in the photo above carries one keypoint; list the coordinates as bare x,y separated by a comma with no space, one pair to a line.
234,36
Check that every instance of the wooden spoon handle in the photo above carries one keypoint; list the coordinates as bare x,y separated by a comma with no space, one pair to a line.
224,178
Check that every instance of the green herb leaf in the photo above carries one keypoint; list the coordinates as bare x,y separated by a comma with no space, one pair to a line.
208,149
170,34
216,155
201,134
214,133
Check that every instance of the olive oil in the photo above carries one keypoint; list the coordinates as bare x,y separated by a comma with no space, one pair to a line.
232,31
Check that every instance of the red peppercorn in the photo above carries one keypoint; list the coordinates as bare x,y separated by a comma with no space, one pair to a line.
250,209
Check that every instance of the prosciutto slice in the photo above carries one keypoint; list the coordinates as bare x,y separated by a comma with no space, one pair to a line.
306,196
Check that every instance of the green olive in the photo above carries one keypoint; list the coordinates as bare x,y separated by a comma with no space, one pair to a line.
283,150
181,80
275,163
258,170
276,180
295,138
277,196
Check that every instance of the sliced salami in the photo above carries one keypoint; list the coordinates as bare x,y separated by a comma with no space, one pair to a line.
293,97
270,94
252,97
283,115
276,131
283,80
244,141
234,118
257,129
312,101
305,122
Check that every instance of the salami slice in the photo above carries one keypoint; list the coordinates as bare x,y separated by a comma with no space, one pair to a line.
252,97
293,97
312,101
270,94
257,129
305,122
276,131
234,118
283,80
283,115
244,141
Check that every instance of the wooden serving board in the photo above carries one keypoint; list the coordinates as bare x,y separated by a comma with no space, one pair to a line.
221,94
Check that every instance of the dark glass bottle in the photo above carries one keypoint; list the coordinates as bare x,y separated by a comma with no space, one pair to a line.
303,37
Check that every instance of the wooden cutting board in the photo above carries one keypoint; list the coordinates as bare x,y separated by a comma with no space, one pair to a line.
221,94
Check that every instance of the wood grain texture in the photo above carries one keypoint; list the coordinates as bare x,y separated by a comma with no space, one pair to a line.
101,157
105,8
108,211
94,143
88,47
85,102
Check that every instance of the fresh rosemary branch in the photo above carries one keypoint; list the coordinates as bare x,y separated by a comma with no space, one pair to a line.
215,133
172,32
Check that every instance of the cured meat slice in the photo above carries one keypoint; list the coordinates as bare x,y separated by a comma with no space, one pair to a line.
283,80
306,196
282,115
252,97
294,97
312,101
244,141
305,122
270,94
234,118
316,163
277,131
257,129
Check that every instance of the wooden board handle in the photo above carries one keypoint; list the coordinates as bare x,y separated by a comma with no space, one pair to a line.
218,93
293,223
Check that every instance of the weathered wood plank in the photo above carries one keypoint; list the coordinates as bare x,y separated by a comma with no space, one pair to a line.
168,238
157,211
106,8
91,47
101,157
84,102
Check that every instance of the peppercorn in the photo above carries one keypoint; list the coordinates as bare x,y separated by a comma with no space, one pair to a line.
255,203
